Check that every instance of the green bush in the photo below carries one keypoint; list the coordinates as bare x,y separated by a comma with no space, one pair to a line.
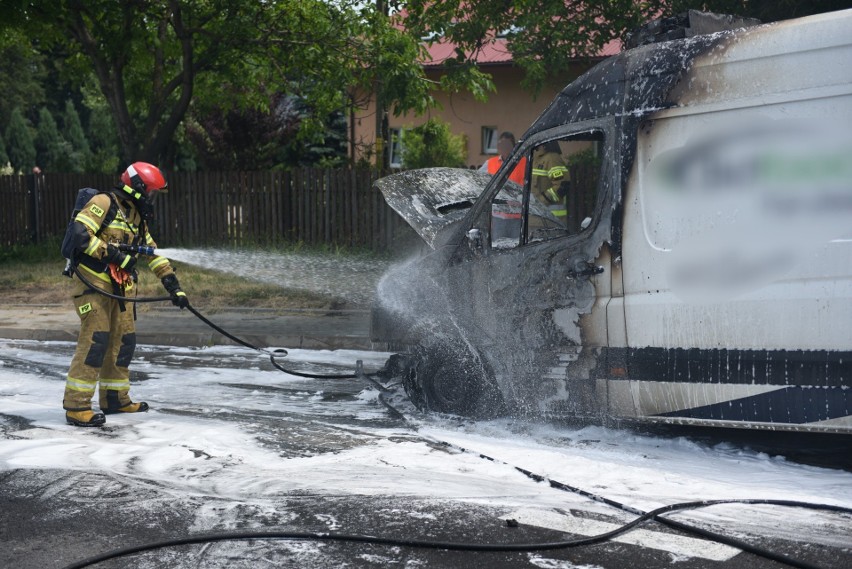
432,144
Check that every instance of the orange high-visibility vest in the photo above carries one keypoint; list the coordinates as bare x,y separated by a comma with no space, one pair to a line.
517,175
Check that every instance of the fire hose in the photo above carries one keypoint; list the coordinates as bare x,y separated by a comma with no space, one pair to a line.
277,353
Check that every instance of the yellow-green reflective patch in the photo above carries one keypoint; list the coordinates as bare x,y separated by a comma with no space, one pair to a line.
96,210
85,308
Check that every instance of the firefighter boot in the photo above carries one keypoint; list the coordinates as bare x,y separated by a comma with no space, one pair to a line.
140,407
86,418
113,401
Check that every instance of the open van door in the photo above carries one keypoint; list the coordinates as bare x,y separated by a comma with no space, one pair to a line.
531,272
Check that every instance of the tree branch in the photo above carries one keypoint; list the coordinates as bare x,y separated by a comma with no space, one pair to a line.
164,134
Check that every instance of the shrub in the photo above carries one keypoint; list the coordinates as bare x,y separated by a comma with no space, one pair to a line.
432,144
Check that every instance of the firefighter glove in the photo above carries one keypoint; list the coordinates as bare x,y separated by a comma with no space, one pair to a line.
172,286
121,260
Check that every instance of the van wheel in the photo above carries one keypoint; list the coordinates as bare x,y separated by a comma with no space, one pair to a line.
449,379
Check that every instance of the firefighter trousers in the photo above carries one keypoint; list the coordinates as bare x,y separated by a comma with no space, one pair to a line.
105,347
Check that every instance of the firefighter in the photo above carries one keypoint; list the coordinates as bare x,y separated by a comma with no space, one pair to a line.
548,174
107,337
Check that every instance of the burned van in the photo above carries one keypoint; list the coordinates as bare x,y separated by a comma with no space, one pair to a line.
680,251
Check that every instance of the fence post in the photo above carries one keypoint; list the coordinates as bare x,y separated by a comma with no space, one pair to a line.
326,206
32,202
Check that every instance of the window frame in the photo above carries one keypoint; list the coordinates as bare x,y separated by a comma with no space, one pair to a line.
494,137
605,127
395,148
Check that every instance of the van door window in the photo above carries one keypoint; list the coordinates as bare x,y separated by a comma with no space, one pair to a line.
560,191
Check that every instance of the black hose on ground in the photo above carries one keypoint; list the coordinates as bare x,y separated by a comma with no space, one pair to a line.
456,546
272,355
280,351
707,534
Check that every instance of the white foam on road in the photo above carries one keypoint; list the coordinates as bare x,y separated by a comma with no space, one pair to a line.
223,426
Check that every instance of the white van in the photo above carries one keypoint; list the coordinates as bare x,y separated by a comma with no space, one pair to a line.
694,266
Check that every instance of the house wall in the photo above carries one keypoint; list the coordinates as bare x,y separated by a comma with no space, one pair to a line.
508,108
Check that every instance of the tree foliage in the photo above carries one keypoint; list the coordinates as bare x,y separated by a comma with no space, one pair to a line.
433,144
157,60
149,76
22,74
51,150
4,158
73,133
19,143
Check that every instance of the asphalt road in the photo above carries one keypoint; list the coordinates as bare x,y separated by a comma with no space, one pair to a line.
233,445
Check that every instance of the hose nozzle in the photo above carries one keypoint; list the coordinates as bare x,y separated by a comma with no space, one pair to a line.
139,249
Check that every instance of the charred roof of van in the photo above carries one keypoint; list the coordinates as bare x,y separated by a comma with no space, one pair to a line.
686,25
637,82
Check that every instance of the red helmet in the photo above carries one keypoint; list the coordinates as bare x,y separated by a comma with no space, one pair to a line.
144,177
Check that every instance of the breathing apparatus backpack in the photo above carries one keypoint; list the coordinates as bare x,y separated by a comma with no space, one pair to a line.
67,247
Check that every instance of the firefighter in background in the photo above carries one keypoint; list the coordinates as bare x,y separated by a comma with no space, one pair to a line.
505,145
107,337
548,174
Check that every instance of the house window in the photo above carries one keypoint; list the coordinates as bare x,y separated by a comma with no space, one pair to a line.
395,135
489,140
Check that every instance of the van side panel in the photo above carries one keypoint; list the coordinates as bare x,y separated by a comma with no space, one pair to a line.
737,246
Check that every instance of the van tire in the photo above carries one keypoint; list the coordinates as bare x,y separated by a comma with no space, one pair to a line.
447,378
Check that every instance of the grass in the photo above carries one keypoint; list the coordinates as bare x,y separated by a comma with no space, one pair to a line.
32,274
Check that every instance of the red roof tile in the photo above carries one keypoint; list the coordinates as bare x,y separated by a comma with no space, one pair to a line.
494,52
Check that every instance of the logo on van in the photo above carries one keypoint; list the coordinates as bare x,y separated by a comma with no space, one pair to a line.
739,207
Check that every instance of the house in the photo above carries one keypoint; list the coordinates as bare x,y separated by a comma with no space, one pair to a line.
509,108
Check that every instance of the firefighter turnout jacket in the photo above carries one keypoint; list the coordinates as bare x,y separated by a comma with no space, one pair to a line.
92,238
548,173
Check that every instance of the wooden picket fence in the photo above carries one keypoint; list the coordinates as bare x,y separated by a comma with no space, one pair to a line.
311,206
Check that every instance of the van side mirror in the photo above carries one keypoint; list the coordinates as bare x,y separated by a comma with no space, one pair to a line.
474,239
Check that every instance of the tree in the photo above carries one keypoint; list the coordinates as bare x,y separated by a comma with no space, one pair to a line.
19,141
22,74
325,147
50,147
4,158
73,133
221,54
432,144
104,153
